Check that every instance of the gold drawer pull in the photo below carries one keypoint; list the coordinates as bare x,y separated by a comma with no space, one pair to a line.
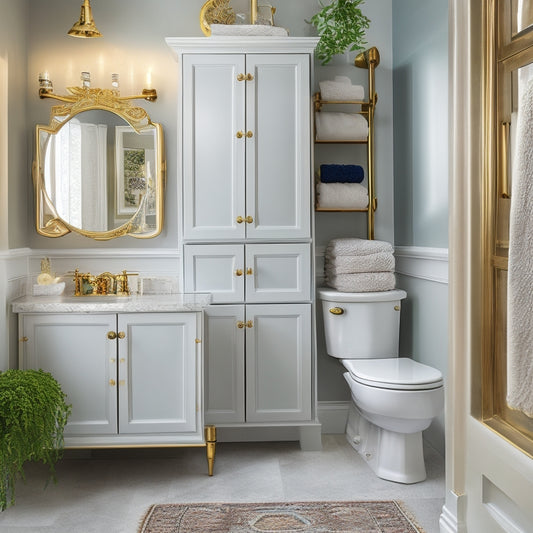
112,382
239,220
111,335
249,271
249,219
238,272
337,311
240,324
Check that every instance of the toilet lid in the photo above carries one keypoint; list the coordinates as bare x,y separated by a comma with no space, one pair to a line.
399,373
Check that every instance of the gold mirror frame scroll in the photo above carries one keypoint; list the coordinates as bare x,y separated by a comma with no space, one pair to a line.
215,12
79,99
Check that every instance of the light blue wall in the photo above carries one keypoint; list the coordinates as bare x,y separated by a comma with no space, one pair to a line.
420,84
420,44
13,54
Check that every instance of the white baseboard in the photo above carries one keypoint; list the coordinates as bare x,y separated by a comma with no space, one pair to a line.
333,416
452,512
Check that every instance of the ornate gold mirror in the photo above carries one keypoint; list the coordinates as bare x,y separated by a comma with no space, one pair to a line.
99,167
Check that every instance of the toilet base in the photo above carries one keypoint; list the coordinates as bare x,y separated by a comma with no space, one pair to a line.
392,456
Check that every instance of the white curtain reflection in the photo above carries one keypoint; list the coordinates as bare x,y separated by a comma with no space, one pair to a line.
75,174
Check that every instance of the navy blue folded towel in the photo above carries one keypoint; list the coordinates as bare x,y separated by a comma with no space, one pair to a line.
341,173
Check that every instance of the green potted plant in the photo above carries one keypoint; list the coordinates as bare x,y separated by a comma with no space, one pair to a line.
33,414
341,26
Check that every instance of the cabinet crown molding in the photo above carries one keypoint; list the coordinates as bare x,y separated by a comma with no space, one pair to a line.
226,44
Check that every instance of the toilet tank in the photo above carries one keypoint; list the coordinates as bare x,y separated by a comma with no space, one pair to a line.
361,325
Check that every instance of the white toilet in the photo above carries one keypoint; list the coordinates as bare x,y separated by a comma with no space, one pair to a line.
394,398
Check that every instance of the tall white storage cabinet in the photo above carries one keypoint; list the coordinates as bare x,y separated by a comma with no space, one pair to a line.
247,238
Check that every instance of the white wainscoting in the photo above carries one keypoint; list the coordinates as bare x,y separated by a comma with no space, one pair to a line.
420,262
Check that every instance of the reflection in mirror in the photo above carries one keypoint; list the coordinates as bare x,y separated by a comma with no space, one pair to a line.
99,173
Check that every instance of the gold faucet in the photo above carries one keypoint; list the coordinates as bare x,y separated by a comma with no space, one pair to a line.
104,284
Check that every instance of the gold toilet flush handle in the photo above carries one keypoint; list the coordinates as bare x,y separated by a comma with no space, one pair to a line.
336,311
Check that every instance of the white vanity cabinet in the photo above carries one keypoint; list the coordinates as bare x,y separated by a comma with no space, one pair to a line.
132,378
246,150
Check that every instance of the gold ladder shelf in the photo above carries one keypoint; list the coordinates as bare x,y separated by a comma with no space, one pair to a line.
368,59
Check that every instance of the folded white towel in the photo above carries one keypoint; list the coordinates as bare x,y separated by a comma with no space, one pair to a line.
351,264
362,282
339,89
354,246
520,276
341,127
248,29
342,195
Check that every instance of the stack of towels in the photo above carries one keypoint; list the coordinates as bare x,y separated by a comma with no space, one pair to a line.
339,187
341,89
358,265
340,126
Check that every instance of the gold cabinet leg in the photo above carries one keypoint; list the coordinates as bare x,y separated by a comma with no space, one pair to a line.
210,443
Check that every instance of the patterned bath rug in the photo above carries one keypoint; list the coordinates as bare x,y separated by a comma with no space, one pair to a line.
315,517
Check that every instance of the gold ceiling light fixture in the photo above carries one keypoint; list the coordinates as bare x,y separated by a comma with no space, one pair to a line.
85,26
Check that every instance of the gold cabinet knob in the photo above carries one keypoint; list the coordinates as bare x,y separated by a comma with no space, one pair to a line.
240,134
239,220
121,334
241,77
249,77
249,219
240,324
238,272
336,311
249,134
397,307
111,335
249,324
249,271
112,382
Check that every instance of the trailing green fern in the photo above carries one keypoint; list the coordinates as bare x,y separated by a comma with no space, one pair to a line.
341,26
33,414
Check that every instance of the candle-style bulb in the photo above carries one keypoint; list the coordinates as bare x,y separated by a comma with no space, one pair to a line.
85,79
115,84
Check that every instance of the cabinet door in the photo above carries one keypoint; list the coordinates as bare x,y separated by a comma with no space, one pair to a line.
217,269
278,272
213,156
278,158
224,364
76,351
158,372
278,363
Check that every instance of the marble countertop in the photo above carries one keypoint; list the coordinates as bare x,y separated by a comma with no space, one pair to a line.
159,303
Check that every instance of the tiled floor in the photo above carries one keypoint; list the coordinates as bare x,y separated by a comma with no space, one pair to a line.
110,491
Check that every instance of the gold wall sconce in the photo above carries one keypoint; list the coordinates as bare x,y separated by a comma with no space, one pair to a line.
85,26
46,90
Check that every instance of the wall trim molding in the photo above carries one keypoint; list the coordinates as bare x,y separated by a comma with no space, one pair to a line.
452,513
152,253
430,264
333,416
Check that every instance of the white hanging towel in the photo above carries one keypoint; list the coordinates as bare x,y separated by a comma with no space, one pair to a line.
520,274
341,127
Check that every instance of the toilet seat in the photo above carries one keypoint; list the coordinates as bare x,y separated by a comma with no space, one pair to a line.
397,373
